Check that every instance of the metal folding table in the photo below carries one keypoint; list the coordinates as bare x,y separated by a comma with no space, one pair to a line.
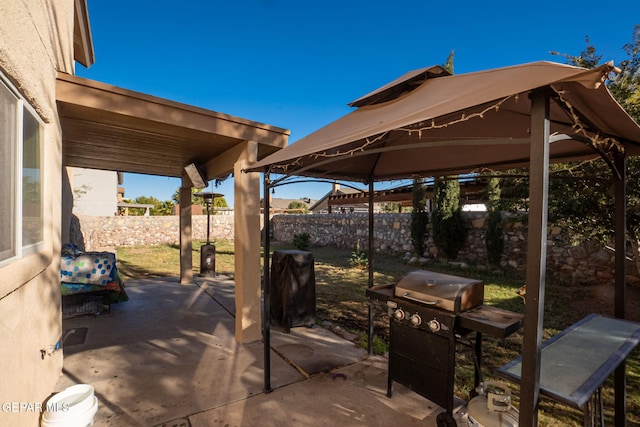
575,363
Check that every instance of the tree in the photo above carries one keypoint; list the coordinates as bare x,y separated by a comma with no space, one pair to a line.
298,206
144,200
494,238
419,216
218,202
581,198
164,208
583,192
390,207
449,64
626,86
449,228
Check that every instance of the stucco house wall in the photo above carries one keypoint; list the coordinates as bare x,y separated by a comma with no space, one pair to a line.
36,41
95,192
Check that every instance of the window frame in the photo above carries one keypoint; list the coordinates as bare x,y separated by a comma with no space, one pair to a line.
15,199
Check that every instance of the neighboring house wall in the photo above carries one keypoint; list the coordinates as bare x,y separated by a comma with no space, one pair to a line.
36,40
95,192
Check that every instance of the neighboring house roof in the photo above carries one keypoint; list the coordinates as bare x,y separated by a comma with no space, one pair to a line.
322,205
282,205
82,40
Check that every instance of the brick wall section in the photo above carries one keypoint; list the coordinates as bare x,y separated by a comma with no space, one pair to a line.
588,263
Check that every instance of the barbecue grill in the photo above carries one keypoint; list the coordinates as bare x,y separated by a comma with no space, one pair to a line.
428,312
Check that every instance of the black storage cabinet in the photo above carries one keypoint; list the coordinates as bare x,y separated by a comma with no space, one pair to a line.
293,289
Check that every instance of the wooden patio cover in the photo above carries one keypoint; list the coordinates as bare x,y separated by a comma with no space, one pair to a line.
110,128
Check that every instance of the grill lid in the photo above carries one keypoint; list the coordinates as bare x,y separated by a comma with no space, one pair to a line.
451,293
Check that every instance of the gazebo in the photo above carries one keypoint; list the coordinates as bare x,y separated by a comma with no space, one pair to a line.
428,123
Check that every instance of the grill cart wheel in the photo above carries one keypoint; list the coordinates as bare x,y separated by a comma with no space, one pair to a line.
445,419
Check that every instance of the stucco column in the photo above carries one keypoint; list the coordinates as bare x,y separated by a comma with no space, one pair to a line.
186,256
247,246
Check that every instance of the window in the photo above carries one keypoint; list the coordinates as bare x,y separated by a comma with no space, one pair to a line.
32,231
21,159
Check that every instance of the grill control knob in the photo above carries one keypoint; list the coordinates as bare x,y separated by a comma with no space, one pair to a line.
399,314
416,319
434,325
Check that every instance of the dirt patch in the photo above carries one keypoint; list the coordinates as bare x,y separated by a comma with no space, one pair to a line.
601,299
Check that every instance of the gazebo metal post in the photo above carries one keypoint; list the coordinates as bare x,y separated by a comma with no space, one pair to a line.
536,257
620,274
266,300
370,255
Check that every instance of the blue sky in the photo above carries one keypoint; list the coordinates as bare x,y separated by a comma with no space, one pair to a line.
297,63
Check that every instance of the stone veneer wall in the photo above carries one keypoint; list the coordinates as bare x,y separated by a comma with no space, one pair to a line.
588,263
101,232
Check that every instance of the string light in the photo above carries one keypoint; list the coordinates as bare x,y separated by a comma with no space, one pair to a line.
606,144
283,168
597,141
463,118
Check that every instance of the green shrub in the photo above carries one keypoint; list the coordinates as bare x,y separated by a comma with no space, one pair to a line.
380,347
494,239
301,241
359,257
419,217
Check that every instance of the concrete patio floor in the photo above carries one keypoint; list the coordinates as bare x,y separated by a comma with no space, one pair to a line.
168,357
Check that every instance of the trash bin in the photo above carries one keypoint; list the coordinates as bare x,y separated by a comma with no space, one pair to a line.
293,289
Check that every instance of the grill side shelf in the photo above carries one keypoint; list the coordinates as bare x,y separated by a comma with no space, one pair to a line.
380,292
491,320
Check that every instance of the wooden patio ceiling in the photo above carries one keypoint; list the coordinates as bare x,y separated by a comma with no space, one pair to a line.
110,128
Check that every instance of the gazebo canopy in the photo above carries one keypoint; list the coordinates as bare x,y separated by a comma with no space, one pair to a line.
428,123
451,124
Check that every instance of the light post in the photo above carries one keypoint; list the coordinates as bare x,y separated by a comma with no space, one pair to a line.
208,251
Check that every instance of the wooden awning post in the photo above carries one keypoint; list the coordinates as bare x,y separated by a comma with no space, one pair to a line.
246,243
186,234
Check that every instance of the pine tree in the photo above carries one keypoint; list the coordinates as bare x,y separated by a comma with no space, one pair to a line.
419,217
494,238
448,226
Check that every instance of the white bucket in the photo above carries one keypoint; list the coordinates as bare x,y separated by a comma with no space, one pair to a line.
75,406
